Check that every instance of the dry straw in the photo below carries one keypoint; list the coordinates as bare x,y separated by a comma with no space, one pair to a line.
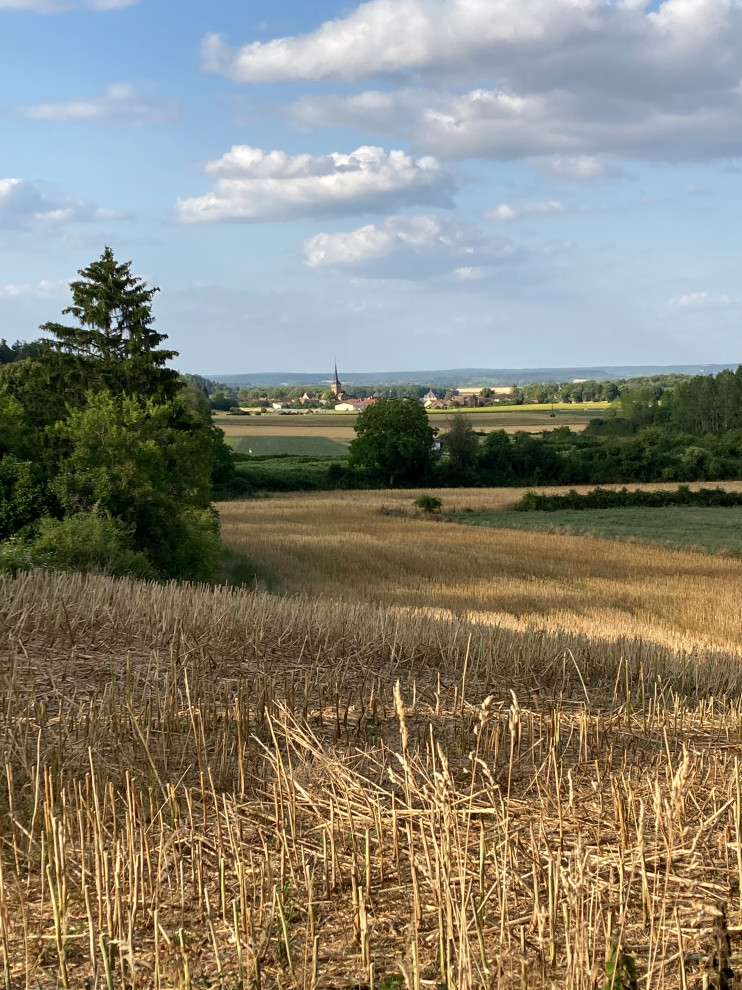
227,789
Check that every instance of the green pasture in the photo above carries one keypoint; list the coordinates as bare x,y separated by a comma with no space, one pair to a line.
714,529
272,444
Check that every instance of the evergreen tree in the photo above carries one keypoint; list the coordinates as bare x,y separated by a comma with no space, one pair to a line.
114,345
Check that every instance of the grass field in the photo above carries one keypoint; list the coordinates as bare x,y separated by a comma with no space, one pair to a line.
289,443
713,529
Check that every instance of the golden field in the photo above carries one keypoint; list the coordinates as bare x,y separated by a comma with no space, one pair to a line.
447,758
360,546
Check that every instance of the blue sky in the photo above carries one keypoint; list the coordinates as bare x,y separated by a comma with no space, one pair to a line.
401,183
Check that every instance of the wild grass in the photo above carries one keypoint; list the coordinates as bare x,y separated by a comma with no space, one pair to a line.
218,788
717,530
360,546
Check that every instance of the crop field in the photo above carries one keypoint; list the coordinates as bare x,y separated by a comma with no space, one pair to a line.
339,426
357,546
717,530
266,444
451,756
228,789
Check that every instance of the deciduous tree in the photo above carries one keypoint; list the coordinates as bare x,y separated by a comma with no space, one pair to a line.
394,440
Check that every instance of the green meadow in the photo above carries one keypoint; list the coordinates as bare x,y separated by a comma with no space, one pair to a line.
715,530
298,446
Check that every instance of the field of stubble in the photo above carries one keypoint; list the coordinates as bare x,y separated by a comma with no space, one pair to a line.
442,760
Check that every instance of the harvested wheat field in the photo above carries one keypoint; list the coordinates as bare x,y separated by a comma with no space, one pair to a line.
360,546
217,788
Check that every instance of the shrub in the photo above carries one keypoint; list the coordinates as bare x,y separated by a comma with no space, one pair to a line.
187,546
88,541
606,498
428,503
15,555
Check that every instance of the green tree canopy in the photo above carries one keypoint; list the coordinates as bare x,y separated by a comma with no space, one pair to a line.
114,345
461,444
394,440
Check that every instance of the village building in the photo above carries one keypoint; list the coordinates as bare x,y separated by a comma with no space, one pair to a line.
354,405
347,403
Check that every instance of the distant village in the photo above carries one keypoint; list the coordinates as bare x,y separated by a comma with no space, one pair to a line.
241,400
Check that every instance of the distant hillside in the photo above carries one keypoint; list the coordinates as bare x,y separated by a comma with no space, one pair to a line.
471,376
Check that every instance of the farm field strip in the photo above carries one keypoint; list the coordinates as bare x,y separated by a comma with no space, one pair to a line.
340,425
716,530
288,443
209,787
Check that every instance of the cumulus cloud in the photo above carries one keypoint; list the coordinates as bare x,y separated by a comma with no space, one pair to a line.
387,36
525,211
573,79
121,105
252,185
35,290
412,247
55,6
466,37
703,300
28,206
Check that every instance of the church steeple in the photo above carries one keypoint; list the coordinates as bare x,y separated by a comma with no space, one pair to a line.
336,386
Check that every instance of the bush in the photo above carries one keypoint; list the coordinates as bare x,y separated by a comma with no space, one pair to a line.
91,541
605,498
15,556
429,503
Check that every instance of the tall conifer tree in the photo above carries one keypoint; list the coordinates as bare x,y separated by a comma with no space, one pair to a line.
114,345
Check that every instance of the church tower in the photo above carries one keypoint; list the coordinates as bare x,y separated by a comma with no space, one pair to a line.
336,386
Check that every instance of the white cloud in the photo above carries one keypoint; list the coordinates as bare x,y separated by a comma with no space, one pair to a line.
387,36
36,290
34,206
121,105
526,211
55,6
703,300
577,79
576,168
411,247
253,185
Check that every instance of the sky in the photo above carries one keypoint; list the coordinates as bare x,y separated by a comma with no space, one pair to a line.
396,184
